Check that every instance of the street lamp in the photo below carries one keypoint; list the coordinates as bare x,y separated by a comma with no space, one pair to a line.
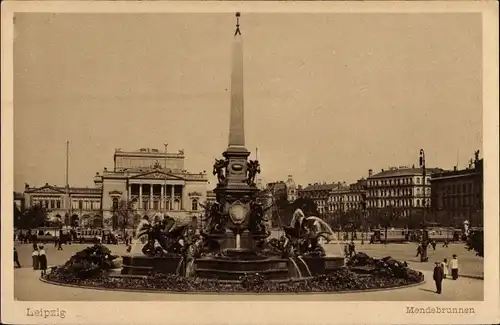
423,256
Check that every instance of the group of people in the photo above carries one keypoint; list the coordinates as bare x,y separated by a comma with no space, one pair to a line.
443,269
39,257
350,249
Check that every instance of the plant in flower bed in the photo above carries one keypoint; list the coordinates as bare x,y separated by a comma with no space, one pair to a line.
385,267
88,263
340,280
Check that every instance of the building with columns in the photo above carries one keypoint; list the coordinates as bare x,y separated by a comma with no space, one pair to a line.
151,182
148,181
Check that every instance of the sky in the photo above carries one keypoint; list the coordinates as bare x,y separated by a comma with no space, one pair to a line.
327,96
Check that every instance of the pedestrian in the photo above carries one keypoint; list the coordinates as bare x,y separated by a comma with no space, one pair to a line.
346,250
433,243
454,267
43,261
35,256
16,259
59,244
445,243
419,250
352,248
438,277
444,264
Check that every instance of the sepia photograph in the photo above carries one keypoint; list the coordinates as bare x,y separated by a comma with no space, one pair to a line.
260,156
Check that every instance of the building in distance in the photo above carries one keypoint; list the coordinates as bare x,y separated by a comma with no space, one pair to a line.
457,195
399,194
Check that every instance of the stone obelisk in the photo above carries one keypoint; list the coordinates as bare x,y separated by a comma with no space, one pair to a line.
235,193
236,152
237,115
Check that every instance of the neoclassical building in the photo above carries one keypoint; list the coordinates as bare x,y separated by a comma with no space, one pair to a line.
79,206
151,183
146,181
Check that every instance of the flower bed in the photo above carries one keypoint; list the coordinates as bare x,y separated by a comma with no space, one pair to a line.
89,270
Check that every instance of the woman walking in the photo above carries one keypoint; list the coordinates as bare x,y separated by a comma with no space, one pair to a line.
35,256
444,264
454,267
43,261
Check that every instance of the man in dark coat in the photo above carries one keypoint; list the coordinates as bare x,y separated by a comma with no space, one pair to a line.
438,276
16,258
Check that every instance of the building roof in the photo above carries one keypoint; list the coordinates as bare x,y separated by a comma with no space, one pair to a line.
52,189
401,172
321,187
447,174
18,196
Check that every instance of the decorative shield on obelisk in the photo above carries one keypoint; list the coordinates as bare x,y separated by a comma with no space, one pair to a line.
238,212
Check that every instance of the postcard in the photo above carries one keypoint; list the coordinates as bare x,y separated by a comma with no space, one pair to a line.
250,162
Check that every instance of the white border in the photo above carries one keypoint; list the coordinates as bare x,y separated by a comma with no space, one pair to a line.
261,312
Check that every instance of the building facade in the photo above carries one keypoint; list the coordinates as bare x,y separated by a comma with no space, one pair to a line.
291,189
320,193
400,194
146,181
76,206
457,195
152,183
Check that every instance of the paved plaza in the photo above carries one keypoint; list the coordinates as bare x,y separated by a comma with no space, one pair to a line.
469,287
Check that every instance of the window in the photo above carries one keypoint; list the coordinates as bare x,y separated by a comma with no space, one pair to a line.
418,203
52,204
115,204
58,204
418,180
80,204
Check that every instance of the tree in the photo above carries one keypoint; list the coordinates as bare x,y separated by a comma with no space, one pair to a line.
387,218
307,205
125,215
475,242
35,216
18,216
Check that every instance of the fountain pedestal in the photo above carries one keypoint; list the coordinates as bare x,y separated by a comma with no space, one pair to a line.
146,265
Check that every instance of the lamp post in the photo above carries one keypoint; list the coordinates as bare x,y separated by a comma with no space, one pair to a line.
423,256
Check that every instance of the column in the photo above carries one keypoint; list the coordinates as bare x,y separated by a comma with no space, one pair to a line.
151,206
162,193
172,193
129,195
140,197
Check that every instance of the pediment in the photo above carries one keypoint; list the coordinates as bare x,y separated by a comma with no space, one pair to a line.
46,189
195,193
115,193
156,175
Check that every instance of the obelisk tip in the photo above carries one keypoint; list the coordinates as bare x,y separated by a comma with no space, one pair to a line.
237,32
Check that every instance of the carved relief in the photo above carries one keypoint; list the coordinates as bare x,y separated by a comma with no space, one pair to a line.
115,193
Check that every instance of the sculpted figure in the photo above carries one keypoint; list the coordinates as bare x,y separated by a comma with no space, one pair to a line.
476,155
219,170
257,219
253,168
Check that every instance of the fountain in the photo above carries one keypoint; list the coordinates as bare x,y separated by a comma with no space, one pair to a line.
233,251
